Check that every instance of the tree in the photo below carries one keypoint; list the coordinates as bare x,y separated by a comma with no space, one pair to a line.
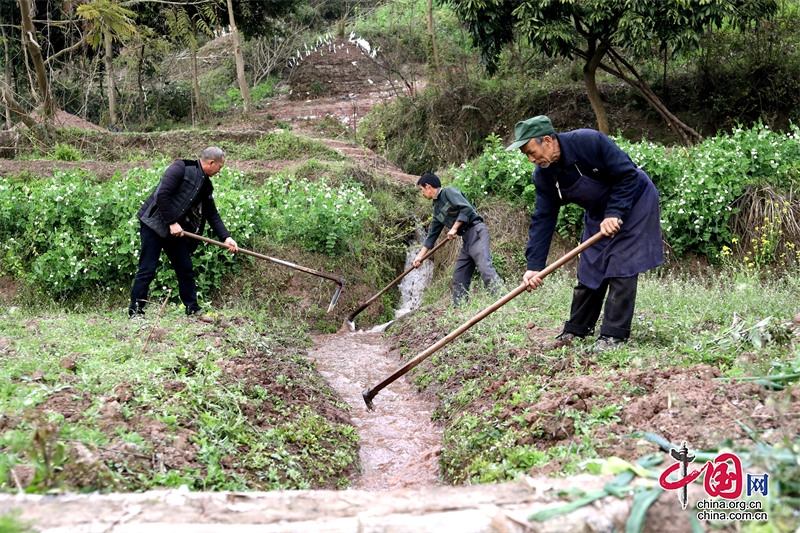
184,23
602,33
237,53
29,38
259,18
107,21
432,37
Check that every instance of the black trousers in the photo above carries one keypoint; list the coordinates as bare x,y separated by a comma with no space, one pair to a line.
177,250
617,313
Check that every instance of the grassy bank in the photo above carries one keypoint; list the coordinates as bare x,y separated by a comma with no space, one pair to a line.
227,403
514,401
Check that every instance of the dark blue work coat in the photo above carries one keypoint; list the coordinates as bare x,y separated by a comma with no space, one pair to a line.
595,174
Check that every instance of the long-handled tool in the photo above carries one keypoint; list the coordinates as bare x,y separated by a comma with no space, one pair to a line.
369,394
352,315
339,281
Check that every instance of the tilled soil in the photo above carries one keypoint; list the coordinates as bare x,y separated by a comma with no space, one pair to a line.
676,403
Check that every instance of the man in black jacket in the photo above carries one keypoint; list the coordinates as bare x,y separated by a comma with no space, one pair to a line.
182,201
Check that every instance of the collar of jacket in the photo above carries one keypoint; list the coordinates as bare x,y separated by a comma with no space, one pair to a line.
568,156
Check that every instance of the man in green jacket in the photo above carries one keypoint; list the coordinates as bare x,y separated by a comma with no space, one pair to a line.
452,209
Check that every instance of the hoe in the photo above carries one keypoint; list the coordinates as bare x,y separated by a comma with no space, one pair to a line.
369,394
339,281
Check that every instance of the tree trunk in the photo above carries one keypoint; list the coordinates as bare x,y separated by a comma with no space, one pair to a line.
12,105
112,90
595,55
237,52
195,76
681,130
139,85
29,38
432,36
8,80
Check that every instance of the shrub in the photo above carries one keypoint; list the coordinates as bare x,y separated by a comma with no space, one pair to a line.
497,172
265,89
315,215
698,185
71,233
64,152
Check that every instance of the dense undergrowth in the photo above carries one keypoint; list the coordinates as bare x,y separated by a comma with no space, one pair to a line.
707,192
74,234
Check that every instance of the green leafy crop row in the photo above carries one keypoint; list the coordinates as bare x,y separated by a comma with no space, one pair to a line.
71,233
698,185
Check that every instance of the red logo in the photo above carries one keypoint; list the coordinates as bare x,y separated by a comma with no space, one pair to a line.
723,476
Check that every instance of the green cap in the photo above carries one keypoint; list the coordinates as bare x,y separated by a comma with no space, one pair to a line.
525,130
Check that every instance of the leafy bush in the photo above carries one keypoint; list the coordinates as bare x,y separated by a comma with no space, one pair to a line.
497,172
265,89
69,233
315,215
65,152
698,185
175,100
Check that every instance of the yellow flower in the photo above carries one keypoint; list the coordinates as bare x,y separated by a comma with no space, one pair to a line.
734,240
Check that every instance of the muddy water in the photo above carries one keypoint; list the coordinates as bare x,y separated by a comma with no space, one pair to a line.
399,444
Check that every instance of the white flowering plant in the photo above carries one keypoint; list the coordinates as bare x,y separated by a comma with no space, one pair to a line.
315,215
497,172
698,185
73,232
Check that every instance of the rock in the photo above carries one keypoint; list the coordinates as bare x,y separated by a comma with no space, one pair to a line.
796,319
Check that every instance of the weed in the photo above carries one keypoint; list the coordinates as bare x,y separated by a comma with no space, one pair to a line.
11,523
199,410
65,152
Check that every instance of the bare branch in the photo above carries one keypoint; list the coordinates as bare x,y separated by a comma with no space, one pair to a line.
65,51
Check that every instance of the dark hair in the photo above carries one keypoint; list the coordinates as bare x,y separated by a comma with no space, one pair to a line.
431,179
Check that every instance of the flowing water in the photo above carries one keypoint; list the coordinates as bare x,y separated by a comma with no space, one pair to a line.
414,283
399,444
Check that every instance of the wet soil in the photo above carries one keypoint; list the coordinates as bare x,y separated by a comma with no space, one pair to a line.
399,445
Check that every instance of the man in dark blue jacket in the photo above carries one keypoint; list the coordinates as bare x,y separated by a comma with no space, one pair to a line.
182,200
452,209
586,168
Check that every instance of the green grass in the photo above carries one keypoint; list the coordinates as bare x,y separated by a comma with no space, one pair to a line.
282,146
193,399
490,370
